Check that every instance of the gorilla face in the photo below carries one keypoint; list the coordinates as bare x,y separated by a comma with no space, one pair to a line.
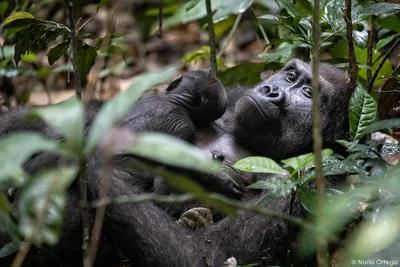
277,113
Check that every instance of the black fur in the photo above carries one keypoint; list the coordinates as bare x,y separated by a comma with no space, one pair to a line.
272,119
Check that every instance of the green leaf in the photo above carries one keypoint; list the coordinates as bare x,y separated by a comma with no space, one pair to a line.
56,52
190,11
115,109
304,161
269,17
392,23
202,53
379,125
67,118
385,41
172,151
277,186
377,9
19,19
362,112
41,205
9,249
308,199
259,165
229,7
15,149
102,3
86,59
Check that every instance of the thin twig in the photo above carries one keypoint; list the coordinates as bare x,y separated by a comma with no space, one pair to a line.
211,33
74,48
160,19
370,48
230,36
349,36
322,247
383,62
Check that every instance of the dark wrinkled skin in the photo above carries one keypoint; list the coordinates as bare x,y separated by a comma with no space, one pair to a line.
273,120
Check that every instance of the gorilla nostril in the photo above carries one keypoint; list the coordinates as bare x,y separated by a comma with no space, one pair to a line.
267,89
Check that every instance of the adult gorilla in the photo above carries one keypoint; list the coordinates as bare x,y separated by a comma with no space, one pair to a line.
272,119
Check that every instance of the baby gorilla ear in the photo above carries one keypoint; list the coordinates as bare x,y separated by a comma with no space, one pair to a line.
174,84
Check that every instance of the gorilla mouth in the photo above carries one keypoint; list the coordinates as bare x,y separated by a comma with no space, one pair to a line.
257,105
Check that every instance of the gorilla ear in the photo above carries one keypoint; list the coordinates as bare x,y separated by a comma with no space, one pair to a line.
174,84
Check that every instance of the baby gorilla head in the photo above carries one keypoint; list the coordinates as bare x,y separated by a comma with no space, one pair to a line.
275,117
201,93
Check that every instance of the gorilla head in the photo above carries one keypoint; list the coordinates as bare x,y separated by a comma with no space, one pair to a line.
275,117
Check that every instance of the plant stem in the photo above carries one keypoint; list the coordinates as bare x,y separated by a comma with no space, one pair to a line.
211,33
383,62
370,48
349,37
322,246
74,48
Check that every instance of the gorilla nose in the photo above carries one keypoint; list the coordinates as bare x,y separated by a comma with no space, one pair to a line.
273,93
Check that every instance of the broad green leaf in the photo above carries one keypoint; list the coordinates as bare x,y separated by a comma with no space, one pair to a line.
362,112
114,50
116,108
19,19
304,161
385,41
276,186
56,52
67,118
377,9
15,149
304,7
392,23
269,17
229,7
380,125
308,199
5,205
190,11
18,15
260,165
172,151
9,249
41,205
86,59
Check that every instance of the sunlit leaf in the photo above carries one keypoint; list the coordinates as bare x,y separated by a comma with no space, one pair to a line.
172,151
15,149
259,165
229,7
67,118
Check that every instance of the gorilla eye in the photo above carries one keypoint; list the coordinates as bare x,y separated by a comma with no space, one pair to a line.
174,84
290,77
307,90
